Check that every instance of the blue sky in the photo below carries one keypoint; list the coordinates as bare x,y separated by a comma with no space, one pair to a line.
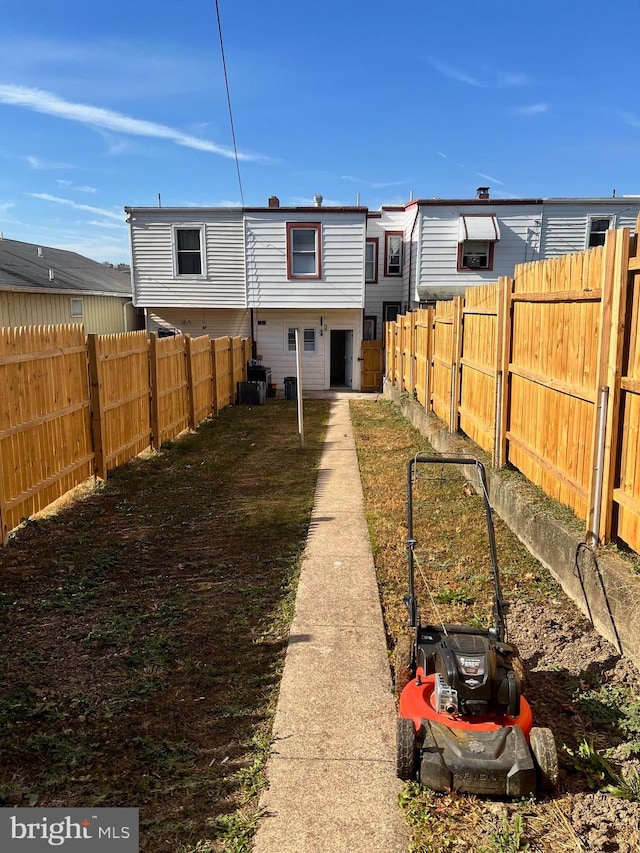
107,105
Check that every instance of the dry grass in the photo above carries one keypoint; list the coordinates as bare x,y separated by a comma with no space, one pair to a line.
565,663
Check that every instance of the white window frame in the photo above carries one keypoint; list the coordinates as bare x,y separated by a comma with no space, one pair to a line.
188,226
590,220
292,252
74,314
308,336
371,246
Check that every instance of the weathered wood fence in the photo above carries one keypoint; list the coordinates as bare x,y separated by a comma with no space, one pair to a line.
72,406
543,372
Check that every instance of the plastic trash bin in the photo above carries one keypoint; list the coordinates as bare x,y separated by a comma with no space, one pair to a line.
290,388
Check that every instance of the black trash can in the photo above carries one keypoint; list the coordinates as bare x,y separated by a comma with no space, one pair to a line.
290,388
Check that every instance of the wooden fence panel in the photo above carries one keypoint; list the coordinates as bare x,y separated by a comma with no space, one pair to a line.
221,350
443,360
479,365
170,409
552,374
119,372
424,324
626,492
199,379
45,428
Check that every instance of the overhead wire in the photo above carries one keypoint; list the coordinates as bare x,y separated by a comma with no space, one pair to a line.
226,83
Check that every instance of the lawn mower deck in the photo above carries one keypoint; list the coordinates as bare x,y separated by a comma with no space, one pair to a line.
463,722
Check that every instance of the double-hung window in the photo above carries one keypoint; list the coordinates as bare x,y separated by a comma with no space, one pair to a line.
598,227
308,340
393,253
188,243
371,260
304,242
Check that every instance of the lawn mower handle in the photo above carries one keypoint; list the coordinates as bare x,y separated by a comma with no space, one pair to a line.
453,459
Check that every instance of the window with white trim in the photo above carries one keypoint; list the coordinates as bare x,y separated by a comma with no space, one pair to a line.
393,253
371,260
303,250
188,243
598,227
308,340
76,308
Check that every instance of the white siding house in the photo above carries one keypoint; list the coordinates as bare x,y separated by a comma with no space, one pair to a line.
305,271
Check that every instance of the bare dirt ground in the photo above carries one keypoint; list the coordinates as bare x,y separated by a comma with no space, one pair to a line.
578,684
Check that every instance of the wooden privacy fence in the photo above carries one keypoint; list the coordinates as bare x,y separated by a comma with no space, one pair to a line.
72,406
543,371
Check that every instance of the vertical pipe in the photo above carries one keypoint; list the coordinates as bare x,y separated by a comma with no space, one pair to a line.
299,388
593,535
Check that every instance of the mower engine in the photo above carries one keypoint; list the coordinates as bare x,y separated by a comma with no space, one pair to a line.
475,676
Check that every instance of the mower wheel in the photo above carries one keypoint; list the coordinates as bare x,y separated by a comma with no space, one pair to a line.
403,663
405,749
545,757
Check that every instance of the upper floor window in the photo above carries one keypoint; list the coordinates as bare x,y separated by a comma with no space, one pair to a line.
188,251
598,227
371,259
475,255
393,253
303,250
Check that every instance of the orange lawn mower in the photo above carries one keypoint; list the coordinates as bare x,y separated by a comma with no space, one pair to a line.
463,722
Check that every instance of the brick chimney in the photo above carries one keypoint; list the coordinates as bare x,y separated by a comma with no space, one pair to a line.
274,201
482,192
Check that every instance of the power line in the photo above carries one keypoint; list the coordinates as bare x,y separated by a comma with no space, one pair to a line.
226,83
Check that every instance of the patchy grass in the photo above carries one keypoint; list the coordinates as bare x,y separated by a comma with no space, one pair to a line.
144,628
577,683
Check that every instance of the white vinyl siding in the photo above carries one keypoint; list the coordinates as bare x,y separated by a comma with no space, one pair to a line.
155,278
272,343
387,288
342,261
215,323
566,224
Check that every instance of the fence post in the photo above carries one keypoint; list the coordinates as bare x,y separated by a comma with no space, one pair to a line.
614,370
191,397
429,360
500,306
456,361
97,405
155,400
214,377
505,332
4,530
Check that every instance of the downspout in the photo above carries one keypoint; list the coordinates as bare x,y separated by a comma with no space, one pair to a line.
413,228
124,313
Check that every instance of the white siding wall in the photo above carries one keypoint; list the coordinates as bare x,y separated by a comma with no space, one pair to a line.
154,282
216,323
566,224
271,343
342,282
438,251
394,288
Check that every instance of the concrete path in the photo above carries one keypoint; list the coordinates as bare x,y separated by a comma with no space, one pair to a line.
332,785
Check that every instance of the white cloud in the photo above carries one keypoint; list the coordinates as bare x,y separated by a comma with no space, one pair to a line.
37,163
490,178
630,119
69,185
491,80
50,104
5,207
375,185
531,110
110,214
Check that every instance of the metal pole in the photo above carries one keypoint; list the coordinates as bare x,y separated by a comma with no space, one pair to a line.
593,535
299,388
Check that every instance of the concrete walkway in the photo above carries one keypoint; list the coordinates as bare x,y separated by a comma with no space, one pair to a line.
332,785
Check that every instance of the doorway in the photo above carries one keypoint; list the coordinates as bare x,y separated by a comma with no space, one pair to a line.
341,364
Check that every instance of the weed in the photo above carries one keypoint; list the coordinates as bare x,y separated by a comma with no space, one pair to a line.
507,838
453,596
